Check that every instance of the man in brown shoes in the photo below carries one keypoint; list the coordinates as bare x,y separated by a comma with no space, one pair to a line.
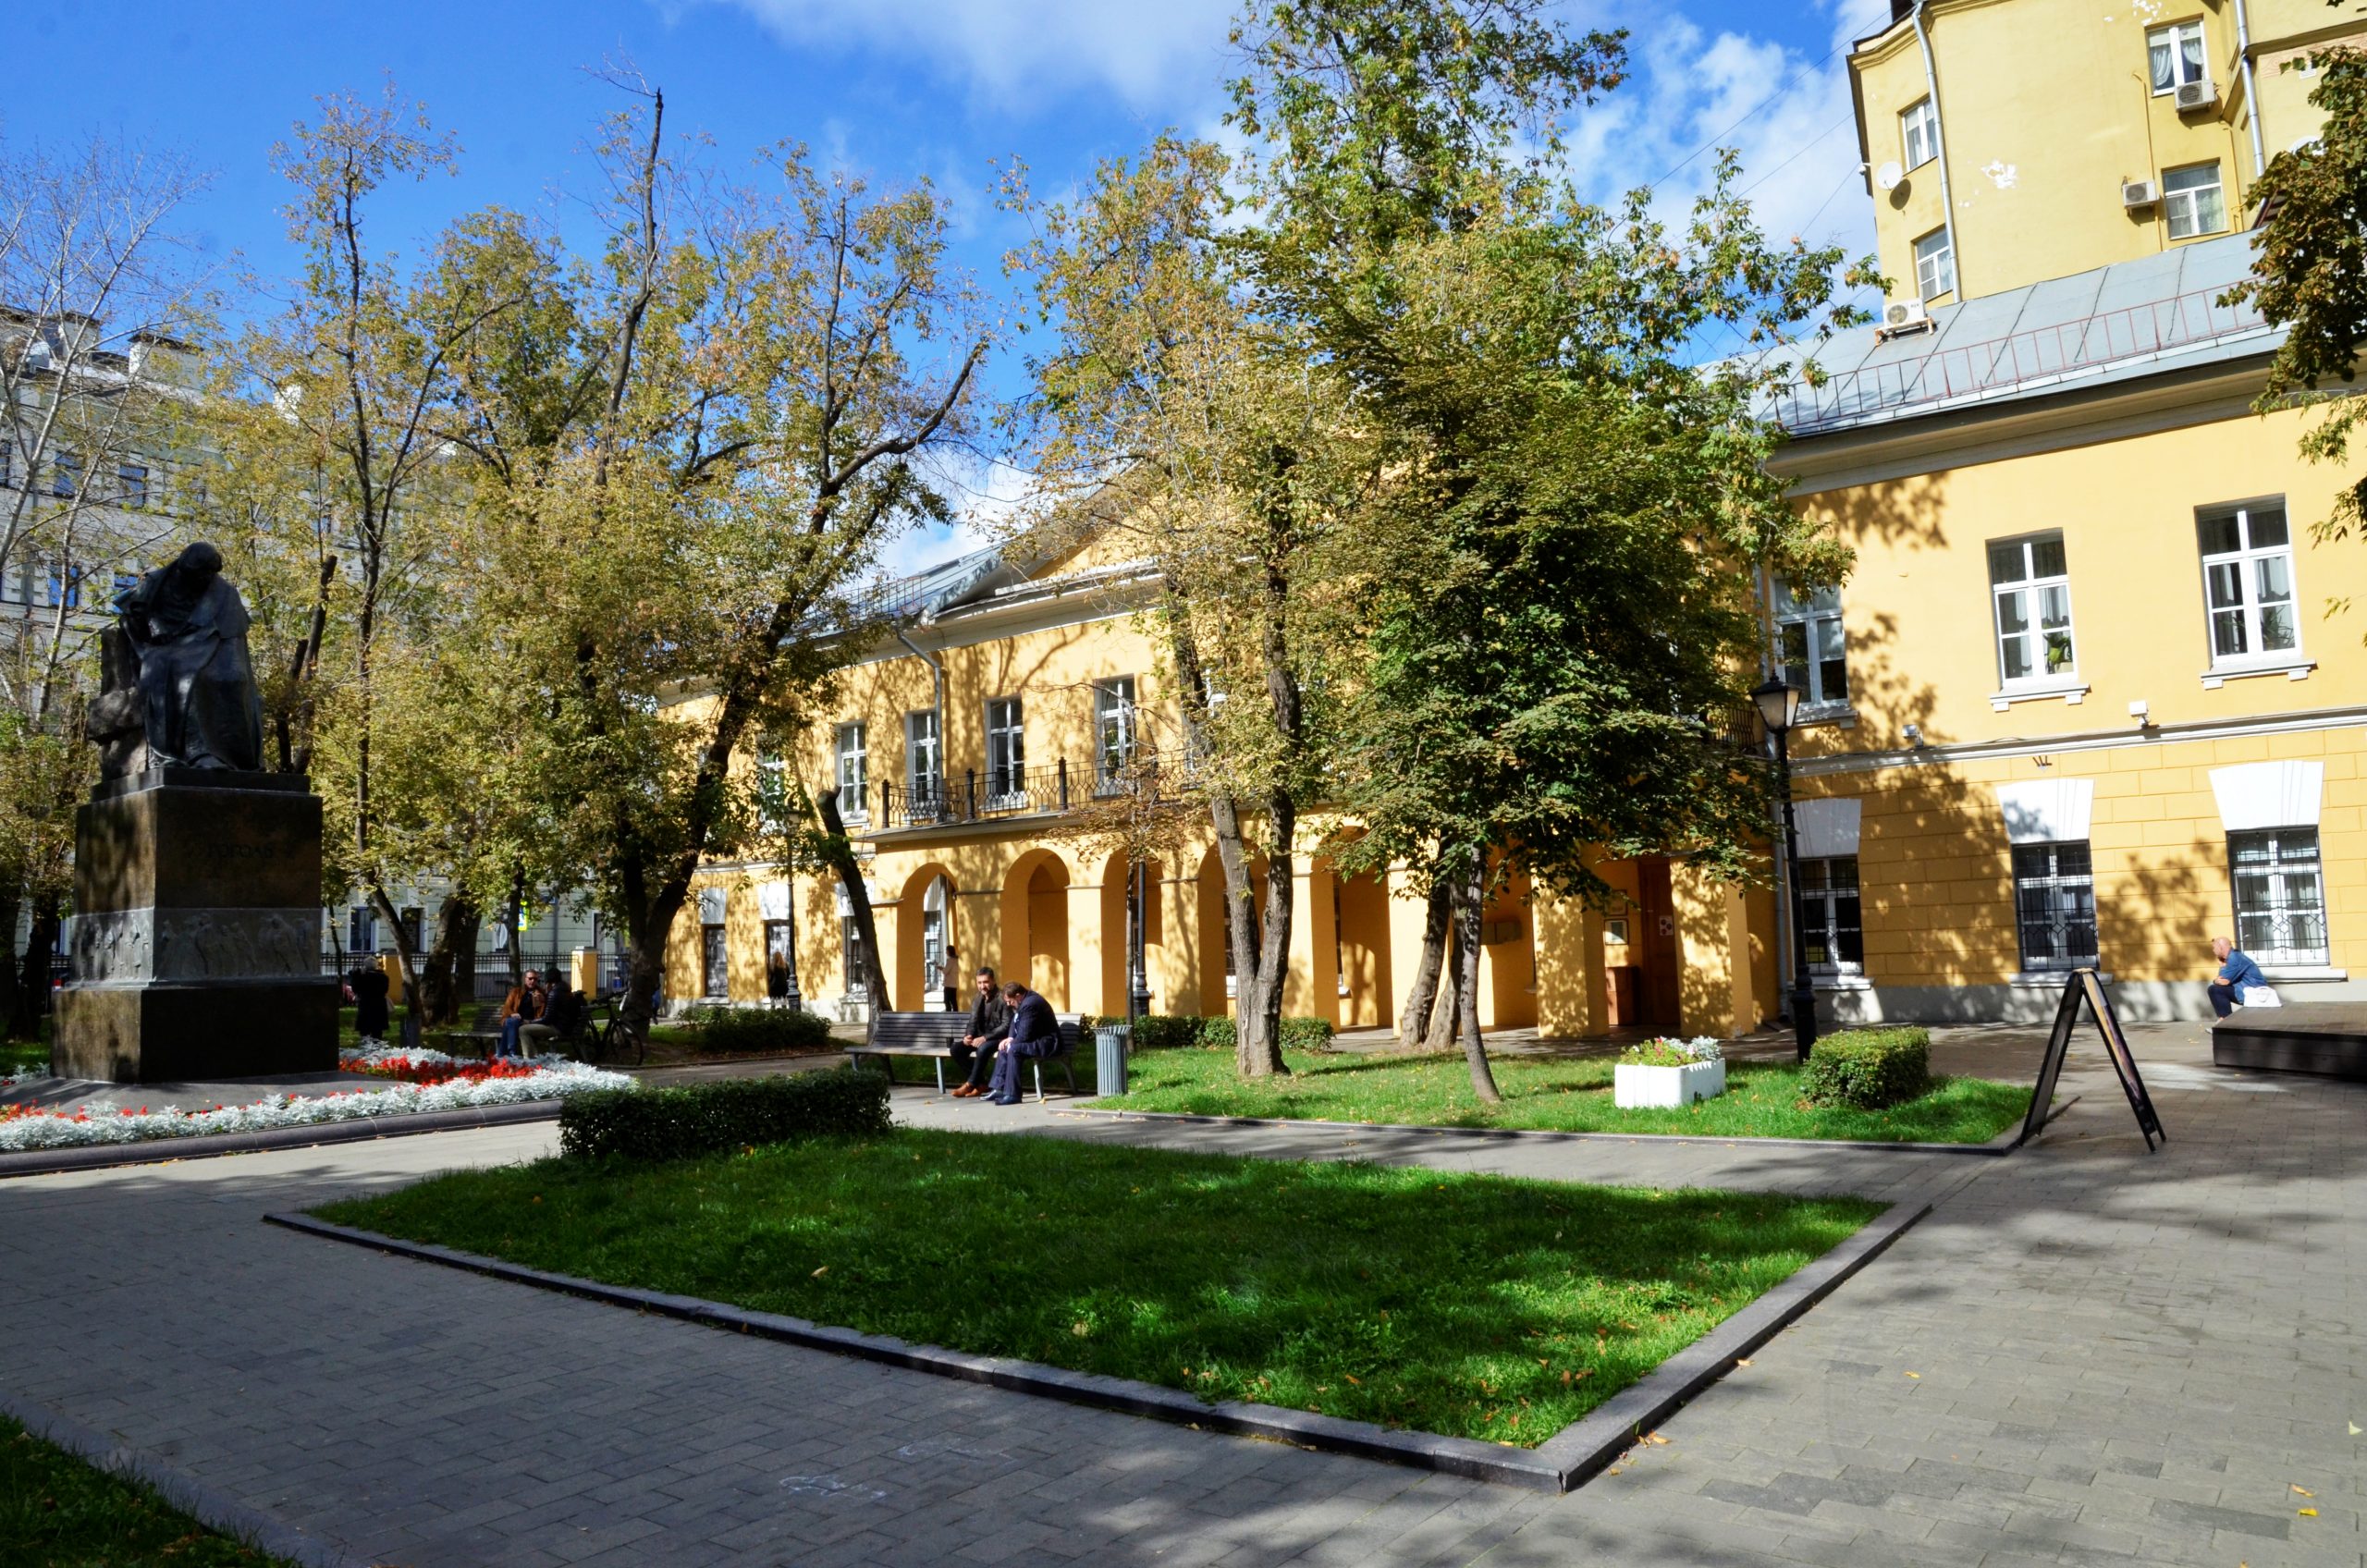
973,1053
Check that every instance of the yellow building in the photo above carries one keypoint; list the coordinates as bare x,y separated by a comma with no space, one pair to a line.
969,744
2008,141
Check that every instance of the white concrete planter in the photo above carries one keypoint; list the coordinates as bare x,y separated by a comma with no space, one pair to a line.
1644,1088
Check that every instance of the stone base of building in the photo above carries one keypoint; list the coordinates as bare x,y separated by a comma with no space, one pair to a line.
2033,1002
179,1032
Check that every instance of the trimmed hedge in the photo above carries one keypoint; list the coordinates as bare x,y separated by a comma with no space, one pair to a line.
1868,1069
760,1029
1182,1031
697,1119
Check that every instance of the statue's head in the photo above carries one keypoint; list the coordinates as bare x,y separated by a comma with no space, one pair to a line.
200,560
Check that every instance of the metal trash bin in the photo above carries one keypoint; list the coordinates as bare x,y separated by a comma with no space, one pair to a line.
1110,1056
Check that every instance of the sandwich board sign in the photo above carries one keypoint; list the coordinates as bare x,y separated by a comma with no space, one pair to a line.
2086,987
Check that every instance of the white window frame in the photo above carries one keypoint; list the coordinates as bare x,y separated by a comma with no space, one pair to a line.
1918,134
1811,616
854,771
1006,753
1114,709
2168,38
2180,205
2248,560
772,788
1935,269
924,757
2032,587
2285,868
132,485
1820,913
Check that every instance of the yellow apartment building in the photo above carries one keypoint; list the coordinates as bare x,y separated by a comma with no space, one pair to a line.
971,743
2008,141
2091,694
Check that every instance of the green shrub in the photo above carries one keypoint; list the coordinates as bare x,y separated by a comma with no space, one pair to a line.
699,1119
1183,1031
1868,1069
1306,1034
761,1029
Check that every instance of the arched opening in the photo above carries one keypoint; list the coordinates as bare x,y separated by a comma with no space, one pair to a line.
1117,934
917,976
1360,949
1220,968
1036,926
1508,977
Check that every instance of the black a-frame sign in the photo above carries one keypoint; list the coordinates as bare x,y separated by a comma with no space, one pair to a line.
2086,984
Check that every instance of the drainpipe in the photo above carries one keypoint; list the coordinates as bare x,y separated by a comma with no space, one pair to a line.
2252,88
1940,146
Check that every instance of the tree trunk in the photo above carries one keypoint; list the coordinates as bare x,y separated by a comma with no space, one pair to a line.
407,959
1447,1012
450,979
33,980
11,901
1415,1020
1471,900
514,913
858,892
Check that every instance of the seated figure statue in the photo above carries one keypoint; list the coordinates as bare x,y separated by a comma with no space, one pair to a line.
198,704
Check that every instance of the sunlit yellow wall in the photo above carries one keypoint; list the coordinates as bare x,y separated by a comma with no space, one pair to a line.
2046,106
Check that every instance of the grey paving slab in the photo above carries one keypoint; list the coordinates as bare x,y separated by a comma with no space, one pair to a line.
2086,1354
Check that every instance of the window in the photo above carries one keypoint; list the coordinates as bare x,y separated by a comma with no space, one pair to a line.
1006,754
1829,905
132,485
2193,201
924,760
7,465
855,773
65,474
2054,905
1935,265
1808,645
2174,55
713,963
780,957
361,930
63,584
2032,589
1918,134
772,789
850,945
1113,723
414,928
2248,583
2280,898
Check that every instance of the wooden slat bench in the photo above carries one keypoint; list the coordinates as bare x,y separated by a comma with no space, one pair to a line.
932,1035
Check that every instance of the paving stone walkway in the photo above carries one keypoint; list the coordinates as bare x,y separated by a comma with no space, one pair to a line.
2086,1355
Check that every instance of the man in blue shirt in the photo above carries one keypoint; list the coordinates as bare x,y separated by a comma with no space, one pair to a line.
2238,974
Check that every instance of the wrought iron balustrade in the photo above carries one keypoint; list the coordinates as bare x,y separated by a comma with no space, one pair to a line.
986,794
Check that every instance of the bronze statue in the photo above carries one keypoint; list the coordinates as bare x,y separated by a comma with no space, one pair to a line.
189,699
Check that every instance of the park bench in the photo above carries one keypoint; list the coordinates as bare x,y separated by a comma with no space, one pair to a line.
932,1035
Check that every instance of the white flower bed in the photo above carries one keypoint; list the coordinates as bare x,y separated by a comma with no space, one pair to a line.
377,1053
23,1075
102,1122
1641,1086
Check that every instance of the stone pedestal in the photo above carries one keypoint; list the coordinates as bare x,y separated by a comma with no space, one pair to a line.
194,946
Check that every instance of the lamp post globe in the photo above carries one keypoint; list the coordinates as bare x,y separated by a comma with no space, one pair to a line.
1779,708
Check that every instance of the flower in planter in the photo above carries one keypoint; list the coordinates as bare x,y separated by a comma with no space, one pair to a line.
1664,1051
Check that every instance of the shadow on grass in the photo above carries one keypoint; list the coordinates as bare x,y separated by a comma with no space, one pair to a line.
1470,1306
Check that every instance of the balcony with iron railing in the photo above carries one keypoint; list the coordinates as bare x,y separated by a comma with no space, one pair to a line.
993,794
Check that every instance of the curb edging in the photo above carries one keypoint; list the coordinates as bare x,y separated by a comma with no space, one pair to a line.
1561,1463
360,1129
216,1510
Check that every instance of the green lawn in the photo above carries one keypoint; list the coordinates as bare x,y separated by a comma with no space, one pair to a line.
1560,1094
1472,1305
59,1512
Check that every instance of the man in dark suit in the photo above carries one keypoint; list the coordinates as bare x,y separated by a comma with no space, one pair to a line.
1033,1033
973,1053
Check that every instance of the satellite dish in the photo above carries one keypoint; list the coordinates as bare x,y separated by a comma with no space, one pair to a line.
1888,175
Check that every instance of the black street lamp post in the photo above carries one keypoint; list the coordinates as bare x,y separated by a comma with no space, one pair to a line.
1138,1000
1779,706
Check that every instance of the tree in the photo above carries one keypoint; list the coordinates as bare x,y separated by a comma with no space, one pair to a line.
2311,277
101,302
674,569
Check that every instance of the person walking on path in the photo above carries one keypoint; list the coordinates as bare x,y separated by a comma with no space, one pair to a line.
369,988
2238,975
1033,1033
973,1053
949,970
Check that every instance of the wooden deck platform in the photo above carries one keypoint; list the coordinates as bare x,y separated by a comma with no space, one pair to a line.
2328,1038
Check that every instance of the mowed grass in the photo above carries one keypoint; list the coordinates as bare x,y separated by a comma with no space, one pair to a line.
1471,1306
59,1512
1562,1094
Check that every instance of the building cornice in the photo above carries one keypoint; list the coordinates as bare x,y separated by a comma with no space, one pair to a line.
2348,716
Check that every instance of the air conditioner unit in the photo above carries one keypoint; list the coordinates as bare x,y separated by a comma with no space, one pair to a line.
2193,95
2135,193
1905,315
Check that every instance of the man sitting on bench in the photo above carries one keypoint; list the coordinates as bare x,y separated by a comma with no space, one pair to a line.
1033,1033
973,1053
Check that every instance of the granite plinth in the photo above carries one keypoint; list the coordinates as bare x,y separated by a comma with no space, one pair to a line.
194,943
2326,1038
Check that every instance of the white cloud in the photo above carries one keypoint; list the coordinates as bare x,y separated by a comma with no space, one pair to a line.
1016,51
985,493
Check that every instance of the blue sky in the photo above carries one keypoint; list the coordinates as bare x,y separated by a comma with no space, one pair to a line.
893,88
